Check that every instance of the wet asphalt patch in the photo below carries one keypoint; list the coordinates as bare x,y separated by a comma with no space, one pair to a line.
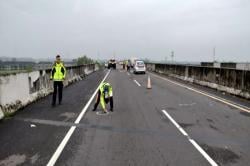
186,125
210,120
213,127
222,156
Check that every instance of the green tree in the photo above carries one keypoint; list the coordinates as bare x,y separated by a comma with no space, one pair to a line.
84,60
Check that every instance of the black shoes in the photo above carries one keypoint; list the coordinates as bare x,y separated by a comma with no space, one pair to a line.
54,104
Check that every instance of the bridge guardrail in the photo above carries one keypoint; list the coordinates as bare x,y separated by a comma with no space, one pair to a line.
233,81
20,89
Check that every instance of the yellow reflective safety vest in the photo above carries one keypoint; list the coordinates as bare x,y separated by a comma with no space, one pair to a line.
109,92
58,72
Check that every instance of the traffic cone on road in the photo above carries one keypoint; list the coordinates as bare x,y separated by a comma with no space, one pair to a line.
149,83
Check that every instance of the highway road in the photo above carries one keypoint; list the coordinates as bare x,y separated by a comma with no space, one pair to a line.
172,124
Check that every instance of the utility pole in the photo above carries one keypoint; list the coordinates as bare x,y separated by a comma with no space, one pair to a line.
172,56
214,54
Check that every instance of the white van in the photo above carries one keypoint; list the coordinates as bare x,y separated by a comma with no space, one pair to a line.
139,67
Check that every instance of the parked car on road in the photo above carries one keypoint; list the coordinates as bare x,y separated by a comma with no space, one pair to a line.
139,67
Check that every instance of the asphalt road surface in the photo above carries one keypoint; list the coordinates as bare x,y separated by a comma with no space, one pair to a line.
172,124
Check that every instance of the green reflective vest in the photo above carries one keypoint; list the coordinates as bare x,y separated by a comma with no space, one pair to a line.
58,72
102,97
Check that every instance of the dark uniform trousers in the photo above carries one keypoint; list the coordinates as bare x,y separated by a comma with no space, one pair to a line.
106,101
57,85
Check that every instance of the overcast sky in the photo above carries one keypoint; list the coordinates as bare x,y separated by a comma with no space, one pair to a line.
126,28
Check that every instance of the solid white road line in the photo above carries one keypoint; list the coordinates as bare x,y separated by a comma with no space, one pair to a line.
65,140
238,106
204,154
137,83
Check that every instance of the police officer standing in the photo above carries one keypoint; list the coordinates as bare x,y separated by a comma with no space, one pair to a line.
58,74
105,95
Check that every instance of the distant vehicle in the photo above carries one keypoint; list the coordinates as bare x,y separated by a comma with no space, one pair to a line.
131,61
112,64
106,65
139,67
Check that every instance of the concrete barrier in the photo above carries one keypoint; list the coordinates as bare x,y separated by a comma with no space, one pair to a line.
19,90
233,81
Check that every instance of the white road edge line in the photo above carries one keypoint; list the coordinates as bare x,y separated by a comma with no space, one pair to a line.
137,83
65,140
242,108
204,154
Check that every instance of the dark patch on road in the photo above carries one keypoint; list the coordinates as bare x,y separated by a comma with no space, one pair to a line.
166,120
227,117
222,156
245,113
210,120
186,125
213,127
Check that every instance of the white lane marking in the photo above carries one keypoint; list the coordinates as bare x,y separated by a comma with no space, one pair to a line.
204,154
238,106
137,83
65,140
128,74
175,123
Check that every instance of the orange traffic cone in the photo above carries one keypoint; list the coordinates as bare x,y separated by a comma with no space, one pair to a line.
149,83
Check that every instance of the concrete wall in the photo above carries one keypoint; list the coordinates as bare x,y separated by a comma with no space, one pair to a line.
233,81
18,90
243,66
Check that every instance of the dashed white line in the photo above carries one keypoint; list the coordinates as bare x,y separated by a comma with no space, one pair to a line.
65,140
240,107
128,74
137,83
175,123
197,146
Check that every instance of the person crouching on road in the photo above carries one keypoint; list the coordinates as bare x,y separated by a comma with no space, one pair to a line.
105,95
58,74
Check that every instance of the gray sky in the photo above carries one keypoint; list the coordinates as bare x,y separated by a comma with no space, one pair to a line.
127,28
